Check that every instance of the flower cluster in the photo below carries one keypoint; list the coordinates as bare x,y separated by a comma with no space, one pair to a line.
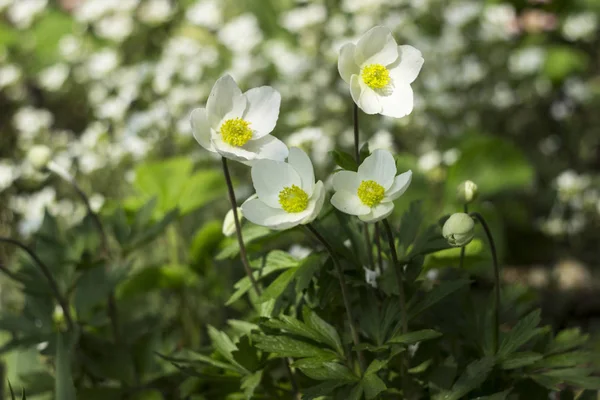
237,126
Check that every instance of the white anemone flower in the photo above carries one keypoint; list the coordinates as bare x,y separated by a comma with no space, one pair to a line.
238,125
380,72
370,192
287,194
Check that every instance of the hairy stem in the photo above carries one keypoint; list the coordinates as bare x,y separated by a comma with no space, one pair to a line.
490,238
344,288
62,301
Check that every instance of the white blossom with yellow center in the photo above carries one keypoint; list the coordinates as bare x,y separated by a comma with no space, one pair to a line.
370,192
238,125
287,194
380,72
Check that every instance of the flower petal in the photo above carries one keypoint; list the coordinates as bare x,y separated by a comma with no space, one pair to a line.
379,212
377,46
369,100
270,177
380,167
303,166
268,148
262,110
240,154
346,180
346,64
315,204
225,99
349,203
399,103
408,65
401,183
201,128
355,88
259,213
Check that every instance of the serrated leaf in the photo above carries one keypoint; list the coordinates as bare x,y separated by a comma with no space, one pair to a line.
245,355
64,388
525,330
434,296
250,383
415,337
278,286
224,346
567,339
325,371
518,360
326,332
287,347
564,360
344,160
475,374
375,366
372,386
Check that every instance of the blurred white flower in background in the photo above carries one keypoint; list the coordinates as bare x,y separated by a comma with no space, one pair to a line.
241,34
301,18
580,26
115,27
207,13
527,60
9,75
154,12
23,12
54,77
30,121
101,63
8,174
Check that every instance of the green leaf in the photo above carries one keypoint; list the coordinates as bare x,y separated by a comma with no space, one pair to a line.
326,332
278,286
166,277
525,330
222,344
245,355
567,340
584,382
565,360
564,61
372,386
325,371
287,347
414,337
518,360
12,393
193,357
496,396
64,388
205,244
344,160
321,389
250,233
437,294
473,377
250,383
356,393
409,225
150,394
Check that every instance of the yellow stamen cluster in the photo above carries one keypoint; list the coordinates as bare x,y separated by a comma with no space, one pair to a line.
375,76
293,199
236,132
370,193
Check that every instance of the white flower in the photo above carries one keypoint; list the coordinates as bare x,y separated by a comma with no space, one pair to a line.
370,192
39,156
228,228
371,277
287,192
380,73
238,126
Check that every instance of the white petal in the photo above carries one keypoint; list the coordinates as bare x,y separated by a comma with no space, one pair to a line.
349,203
240,154
380,167
303,166
201,128
225,99
259,213
355,88
315,204
401,183
377,46
270,177
346,180
399,103
262,110
408,65
379,212
369,100
346,64
268,148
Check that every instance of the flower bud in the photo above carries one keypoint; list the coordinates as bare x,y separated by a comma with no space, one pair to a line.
467,192
229,222
459,229
39,156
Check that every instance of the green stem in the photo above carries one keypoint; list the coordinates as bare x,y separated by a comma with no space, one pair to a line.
344,288
62,301
490,238
378,244
463,248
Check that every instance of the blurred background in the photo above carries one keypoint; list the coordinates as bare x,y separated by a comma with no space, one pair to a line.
508,97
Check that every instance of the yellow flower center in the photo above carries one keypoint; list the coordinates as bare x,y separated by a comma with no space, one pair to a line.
376,76
293,199
236,132
370,193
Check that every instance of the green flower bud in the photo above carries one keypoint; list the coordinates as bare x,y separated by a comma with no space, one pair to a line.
39,156
467,192
459,229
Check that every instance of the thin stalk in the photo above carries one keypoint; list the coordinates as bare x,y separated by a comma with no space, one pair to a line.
238,227
113,312
488,233
343,286
357,157
62,301
462,249
378,244
244,257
